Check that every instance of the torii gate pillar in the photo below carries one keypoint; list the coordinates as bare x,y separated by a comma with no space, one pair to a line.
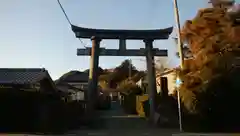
151,77
91,94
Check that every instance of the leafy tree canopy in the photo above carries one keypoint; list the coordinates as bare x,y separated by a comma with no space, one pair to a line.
214,41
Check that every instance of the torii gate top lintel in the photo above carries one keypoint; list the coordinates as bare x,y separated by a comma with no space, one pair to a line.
156,34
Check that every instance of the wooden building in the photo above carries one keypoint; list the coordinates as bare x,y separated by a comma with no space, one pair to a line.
75,83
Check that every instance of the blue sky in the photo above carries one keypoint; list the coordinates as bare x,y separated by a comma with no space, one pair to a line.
35,33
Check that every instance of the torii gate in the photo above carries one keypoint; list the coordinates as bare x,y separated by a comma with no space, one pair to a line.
96,35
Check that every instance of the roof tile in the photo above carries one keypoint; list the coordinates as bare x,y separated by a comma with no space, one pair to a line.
22,75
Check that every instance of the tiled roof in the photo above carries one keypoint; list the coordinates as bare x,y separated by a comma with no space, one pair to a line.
74,76
22,75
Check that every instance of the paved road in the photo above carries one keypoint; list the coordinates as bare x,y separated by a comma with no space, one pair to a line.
115,122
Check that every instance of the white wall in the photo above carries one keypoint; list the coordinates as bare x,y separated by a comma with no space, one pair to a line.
171,82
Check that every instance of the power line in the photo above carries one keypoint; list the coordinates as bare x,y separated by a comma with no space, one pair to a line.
69,22
65,14
83,44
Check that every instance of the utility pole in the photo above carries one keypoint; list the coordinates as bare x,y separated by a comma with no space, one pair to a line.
179,40
180,50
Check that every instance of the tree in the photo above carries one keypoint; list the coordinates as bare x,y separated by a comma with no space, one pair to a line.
210,88
100,70
119,78
186,51
120,73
